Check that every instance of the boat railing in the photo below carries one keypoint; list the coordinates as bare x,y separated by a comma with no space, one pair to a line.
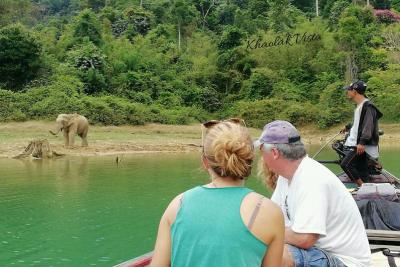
387,242
141,261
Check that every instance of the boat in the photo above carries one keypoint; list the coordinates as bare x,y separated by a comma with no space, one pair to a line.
376,172
385,241
380,191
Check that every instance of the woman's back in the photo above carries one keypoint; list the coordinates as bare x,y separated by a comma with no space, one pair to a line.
222,223
209,230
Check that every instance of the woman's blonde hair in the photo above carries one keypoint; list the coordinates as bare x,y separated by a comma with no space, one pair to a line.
268,178
229,150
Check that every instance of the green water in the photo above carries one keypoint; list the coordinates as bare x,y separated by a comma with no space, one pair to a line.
89,211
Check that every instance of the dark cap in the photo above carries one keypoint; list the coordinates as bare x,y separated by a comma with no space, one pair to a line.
358,86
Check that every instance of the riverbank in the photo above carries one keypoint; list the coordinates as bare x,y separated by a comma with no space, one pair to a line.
151,138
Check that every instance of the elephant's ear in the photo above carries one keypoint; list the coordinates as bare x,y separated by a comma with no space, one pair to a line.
66,120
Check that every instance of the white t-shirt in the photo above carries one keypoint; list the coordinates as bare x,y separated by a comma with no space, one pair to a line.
351,140
318,203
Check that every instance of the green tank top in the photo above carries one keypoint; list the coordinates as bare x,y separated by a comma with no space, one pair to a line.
209,231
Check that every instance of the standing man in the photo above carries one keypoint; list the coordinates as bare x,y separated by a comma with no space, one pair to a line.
323,224
364,134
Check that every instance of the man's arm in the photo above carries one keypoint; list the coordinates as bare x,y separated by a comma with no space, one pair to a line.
368,125
304,241
367,129
310,215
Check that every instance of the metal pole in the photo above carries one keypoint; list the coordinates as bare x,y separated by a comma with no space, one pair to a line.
319,151
316,7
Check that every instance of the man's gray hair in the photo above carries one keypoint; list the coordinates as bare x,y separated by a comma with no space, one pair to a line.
293,151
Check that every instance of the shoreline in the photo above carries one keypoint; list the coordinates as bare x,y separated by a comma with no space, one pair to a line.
150,138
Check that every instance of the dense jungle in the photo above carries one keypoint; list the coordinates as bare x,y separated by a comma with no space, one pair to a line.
132,62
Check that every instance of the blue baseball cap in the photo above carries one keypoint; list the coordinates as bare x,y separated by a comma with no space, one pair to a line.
278,132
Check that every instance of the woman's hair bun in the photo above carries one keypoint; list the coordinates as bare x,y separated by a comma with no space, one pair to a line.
229,149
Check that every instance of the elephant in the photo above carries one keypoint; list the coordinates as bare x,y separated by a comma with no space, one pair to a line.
72,124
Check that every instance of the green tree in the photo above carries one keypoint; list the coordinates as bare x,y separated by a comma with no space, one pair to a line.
231,38
260,84
87,26
183,14
21,11
354,33
90,64
396,5
335,11
55,6
206,8
20,56
225,14
95,4
139,18
281,14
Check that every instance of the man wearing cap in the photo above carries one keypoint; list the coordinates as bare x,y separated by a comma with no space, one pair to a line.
323,224
363,136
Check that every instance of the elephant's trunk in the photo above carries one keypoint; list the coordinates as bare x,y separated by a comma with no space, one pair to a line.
58,129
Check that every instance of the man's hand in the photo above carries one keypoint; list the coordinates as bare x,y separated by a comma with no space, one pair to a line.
360,149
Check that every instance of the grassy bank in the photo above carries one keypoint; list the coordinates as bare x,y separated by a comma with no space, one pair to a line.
103,140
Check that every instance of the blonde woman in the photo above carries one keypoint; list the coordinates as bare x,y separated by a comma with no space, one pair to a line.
221,223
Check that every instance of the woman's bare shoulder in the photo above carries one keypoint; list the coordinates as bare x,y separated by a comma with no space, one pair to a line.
268,209
172,209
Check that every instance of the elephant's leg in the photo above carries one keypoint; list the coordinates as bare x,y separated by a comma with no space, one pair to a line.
84,141
71,138
72,130
66,138
84,138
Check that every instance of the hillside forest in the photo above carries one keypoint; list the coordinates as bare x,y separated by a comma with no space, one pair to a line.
183,61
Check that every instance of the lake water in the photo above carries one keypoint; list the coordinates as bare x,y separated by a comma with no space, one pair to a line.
91,211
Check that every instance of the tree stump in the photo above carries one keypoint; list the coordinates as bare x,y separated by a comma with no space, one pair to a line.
39,149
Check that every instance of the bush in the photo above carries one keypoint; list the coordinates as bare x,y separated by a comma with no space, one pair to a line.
260,84
169,100
113,111
9,110
384,87
289,91
389,104
61,96
333,106
329,117
182,115
386,16
57,103
257,113
300,113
